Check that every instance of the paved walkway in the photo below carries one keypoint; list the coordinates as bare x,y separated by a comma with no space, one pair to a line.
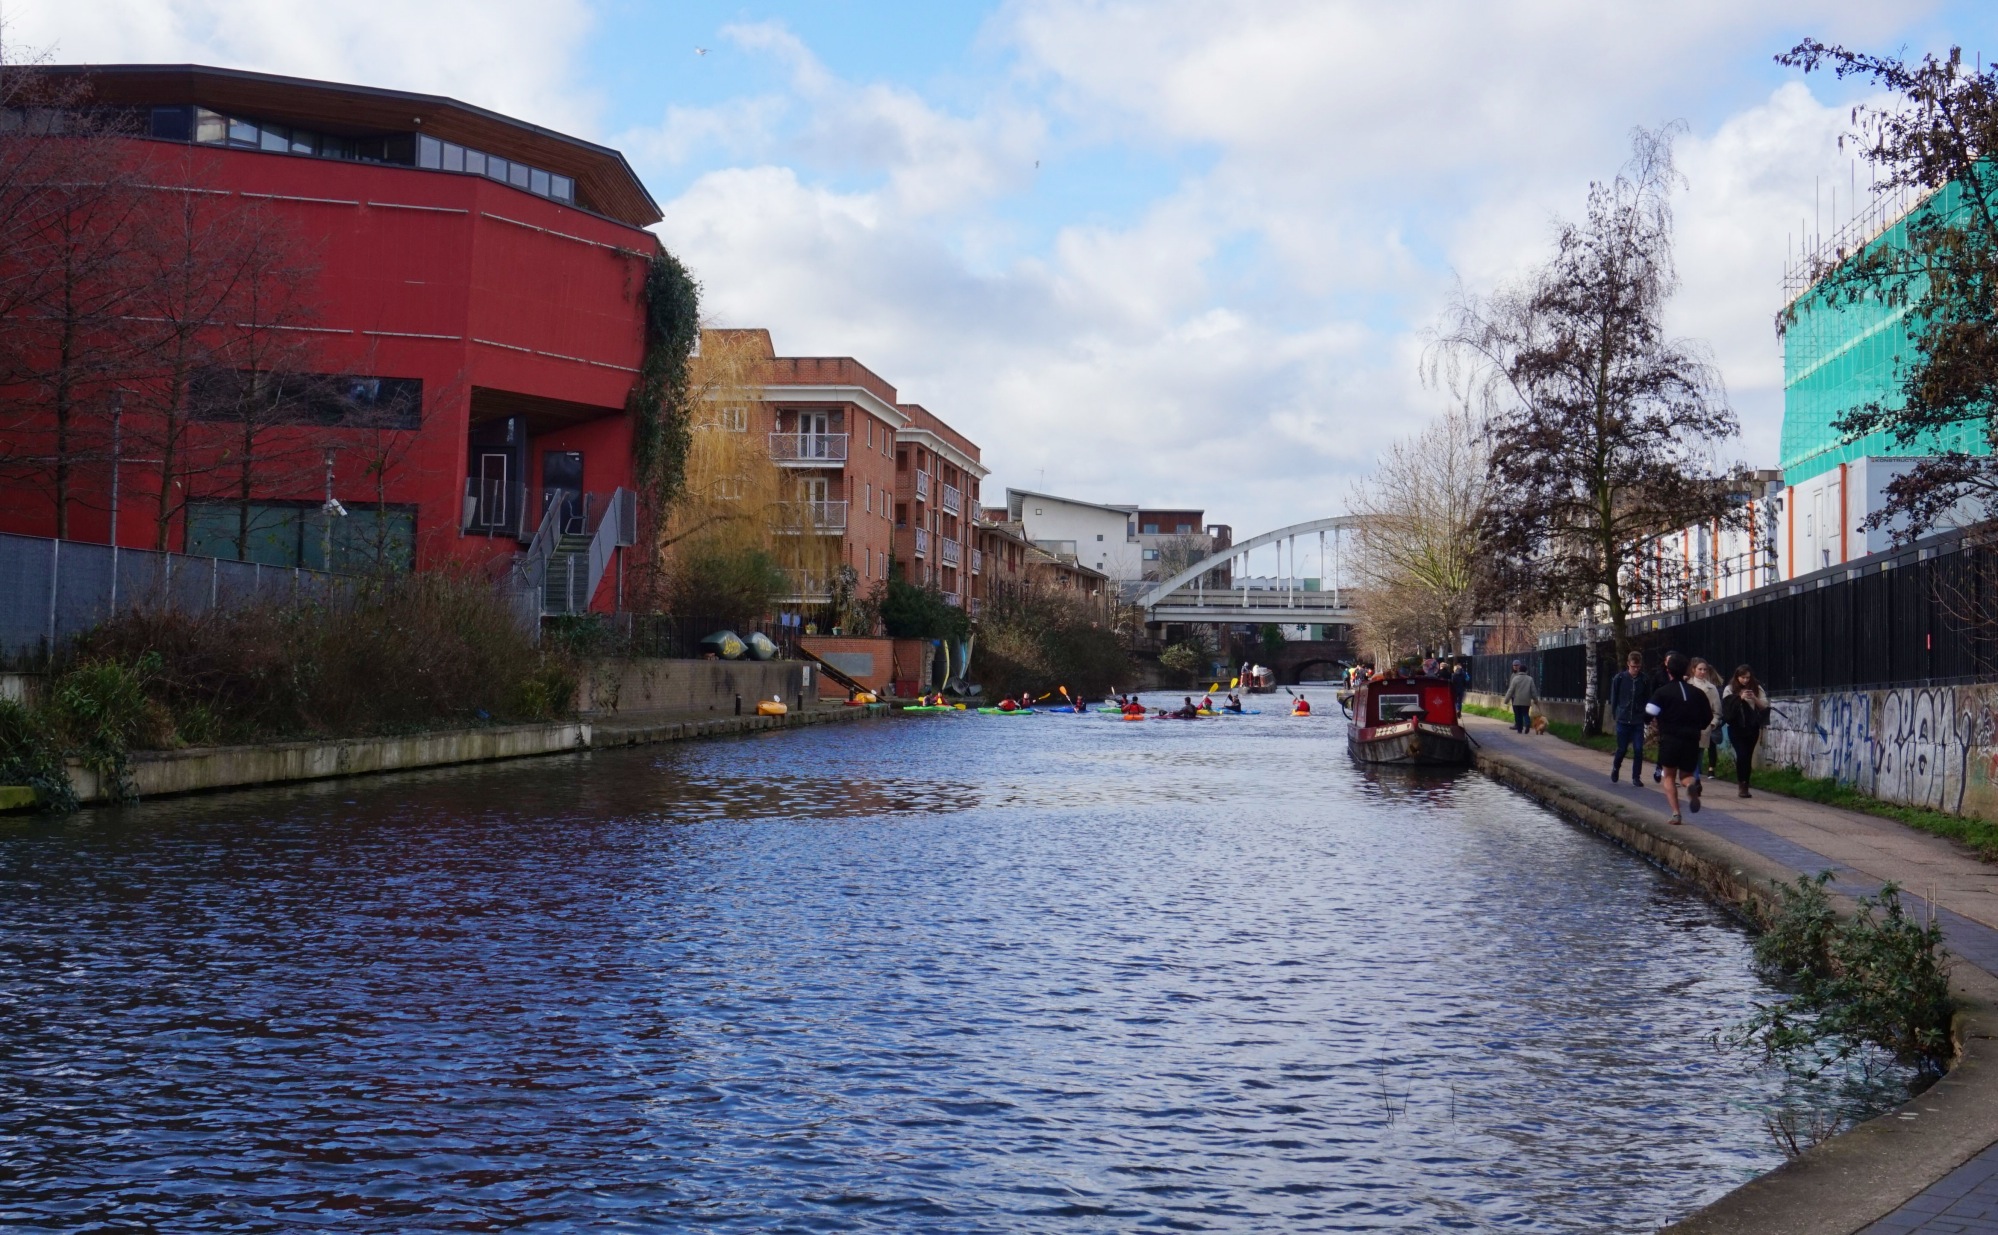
1863,852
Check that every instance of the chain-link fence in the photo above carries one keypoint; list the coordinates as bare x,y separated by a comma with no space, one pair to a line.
53,590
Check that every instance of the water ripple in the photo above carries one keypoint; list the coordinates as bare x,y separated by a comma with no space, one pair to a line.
959,974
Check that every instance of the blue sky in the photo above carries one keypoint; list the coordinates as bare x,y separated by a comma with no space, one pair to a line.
1216,286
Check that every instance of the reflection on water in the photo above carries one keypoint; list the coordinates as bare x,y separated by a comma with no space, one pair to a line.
955,973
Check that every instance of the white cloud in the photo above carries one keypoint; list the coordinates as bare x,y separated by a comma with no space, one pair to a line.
514,56
1249,337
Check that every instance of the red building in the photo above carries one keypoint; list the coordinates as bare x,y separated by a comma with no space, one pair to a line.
481,274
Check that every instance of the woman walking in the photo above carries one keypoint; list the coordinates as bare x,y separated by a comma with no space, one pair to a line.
1708,679
1745,712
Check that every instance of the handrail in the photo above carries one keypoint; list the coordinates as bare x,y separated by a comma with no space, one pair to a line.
619,514
532,565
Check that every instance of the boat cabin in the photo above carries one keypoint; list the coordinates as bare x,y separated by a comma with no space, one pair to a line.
1390,701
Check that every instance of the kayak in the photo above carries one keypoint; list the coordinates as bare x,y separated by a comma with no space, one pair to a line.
931,707
1070,711
1130,716
1243,712
1004,712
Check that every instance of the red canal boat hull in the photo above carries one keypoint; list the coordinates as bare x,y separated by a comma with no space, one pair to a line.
1410,721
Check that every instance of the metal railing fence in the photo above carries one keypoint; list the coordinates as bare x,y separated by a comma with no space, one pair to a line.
1926,616
51,591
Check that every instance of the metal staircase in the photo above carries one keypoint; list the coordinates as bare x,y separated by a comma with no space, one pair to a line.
569,584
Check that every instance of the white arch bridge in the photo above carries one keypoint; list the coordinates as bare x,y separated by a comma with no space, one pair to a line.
1196,594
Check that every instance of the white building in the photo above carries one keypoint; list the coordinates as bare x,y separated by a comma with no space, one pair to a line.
1103,538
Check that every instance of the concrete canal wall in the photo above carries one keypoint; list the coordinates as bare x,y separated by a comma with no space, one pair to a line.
1842,1185
199,769
654,685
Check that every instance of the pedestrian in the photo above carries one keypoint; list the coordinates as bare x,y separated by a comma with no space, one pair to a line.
1520,693
1460,685
1708,679
1429,666
1745,712
1627,697
1680,711
1656,680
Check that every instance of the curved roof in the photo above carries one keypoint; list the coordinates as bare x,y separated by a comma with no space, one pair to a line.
605,181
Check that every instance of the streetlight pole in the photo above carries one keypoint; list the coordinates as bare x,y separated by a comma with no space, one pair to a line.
326,523
117,426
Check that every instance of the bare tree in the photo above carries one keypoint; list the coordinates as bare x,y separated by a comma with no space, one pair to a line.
260,395
70,200
1603,430
1416,561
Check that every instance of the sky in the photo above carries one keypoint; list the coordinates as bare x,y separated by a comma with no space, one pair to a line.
1169,253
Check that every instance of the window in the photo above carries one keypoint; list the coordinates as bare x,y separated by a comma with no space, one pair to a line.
901,514
537,182
454,157
1151,555
902,463
335,400
1099,536
1151,529
286,534
561,188
209,128
242,133
475,163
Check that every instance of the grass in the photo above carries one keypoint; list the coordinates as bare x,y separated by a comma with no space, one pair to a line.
1979,834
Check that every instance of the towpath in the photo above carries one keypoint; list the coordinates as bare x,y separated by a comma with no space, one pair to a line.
1864,852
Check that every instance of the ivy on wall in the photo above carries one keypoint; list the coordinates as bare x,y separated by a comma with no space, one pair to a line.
658,400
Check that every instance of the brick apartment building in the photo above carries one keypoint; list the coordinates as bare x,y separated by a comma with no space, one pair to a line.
891,482
937,475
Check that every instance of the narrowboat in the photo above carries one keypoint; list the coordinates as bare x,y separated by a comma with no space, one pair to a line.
1405,720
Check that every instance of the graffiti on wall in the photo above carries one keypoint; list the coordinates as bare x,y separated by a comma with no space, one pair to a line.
1934,746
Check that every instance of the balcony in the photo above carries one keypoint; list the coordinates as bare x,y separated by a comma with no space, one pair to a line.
808,449
953,600
951,502
814,516
977,561
922,539
923,486
951,552
804,587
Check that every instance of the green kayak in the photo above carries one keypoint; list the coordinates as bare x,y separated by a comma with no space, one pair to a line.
1004,712
930,707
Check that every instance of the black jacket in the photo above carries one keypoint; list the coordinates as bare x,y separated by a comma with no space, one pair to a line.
1681,710
1627,696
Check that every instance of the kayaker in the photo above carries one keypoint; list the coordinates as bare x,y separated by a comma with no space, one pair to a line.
1187,711
1207,703
1301,708
1133,708
1234,704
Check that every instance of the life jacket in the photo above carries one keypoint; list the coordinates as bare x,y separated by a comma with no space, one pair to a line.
1301,708
1007,705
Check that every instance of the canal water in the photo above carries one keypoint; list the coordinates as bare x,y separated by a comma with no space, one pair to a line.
955,973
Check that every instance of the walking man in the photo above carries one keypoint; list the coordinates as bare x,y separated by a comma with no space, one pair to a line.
1460,685
1520,693
1681,712
1627,698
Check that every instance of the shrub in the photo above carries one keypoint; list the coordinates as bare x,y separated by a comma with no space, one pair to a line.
1880,978
1037,638
1182,660
404,653
31,755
